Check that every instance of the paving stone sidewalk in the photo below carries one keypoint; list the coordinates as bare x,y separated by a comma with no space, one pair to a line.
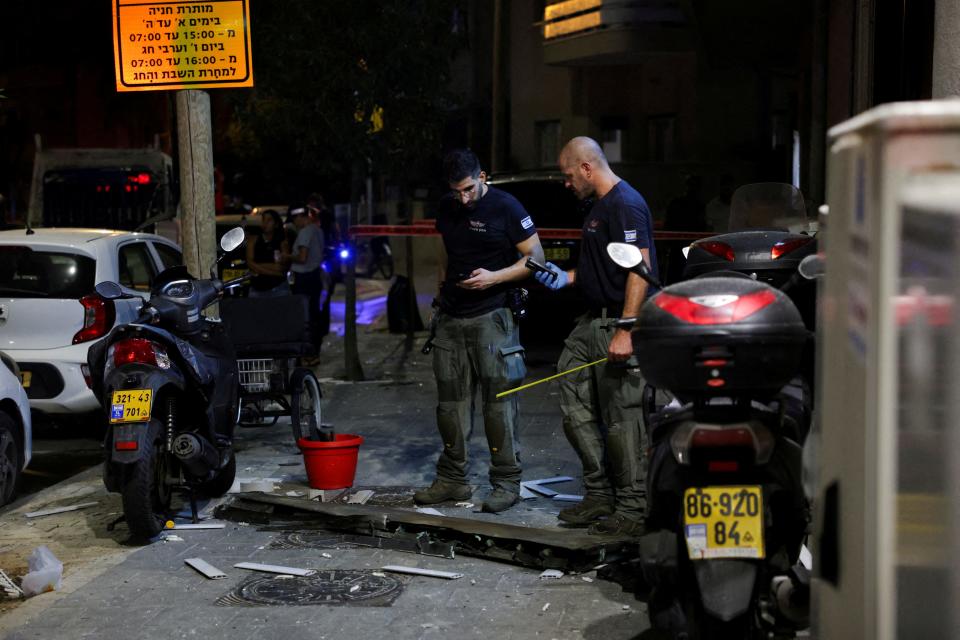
113,590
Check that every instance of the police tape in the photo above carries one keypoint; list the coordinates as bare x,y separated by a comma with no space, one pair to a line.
553,377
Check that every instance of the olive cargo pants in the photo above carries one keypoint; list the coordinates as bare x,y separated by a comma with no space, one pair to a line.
603,418
482,351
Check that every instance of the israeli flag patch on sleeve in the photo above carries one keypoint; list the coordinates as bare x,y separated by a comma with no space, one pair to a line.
630,235
526,223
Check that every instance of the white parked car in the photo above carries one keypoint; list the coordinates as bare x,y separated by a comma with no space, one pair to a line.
49,313
16,433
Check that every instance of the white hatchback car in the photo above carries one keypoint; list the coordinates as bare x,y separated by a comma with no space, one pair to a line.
16,432
49,313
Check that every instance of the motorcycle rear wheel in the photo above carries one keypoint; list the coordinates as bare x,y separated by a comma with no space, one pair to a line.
305,403
146,498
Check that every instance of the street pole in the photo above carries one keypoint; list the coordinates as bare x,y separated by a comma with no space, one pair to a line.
351,354
498,125
197,222
946,49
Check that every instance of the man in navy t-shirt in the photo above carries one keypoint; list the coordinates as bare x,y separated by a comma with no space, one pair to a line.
601,405
487,238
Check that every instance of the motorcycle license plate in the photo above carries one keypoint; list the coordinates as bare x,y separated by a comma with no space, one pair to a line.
233,274
723,522
130,405
556,253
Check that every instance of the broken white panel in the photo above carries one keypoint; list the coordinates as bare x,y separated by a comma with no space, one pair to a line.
806,558
430,511
552,480
360,497
430,573
324,495
544,491
568,497
50,512
272,568
526,494
199,525
551,574
205,568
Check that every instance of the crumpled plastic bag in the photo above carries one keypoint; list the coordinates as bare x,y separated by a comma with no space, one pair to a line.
45,572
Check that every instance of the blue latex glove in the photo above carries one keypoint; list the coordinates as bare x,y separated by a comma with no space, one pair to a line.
548,280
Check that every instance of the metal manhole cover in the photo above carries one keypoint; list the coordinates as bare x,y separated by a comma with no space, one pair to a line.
338,587
310,540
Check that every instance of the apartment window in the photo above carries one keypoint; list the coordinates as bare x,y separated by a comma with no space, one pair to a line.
548,142
662,138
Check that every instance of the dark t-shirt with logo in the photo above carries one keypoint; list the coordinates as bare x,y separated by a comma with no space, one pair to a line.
483,237
622,215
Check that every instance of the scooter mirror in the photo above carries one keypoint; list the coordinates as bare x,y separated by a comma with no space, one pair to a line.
625,255
232,239
109,290
813,266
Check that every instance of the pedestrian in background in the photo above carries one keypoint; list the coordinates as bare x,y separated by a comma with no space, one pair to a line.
487,238
601,405
305,260
325,219
265,258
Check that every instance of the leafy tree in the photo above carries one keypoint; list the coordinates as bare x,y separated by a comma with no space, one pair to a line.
324,70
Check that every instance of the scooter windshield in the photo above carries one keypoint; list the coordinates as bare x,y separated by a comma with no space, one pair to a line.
768,206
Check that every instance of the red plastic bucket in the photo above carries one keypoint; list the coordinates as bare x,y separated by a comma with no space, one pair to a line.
331,465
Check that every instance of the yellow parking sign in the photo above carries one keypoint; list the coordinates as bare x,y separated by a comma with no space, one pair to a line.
181,45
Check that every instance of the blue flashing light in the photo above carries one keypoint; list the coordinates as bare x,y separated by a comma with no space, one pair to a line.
344,254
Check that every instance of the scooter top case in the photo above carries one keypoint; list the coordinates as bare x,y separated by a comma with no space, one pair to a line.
719,336
773,256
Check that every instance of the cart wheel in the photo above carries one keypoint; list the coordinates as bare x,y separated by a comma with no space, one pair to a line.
304,403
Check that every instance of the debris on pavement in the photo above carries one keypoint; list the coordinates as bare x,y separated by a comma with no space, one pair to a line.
272,568
551,574
205,568
9,586
264,486
325,555
538,485
430,511
360,497
465,505
430,573
568,497
45,572
324,495
171,537
586,578
545,607
199,525
50,512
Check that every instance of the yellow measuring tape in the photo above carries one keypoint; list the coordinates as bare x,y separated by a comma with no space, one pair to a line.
557,375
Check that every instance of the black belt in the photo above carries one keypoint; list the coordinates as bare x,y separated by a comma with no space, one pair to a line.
605,312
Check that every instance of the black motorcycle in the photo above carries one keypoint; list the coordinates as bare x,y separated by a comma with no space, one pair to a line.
169,384
727,515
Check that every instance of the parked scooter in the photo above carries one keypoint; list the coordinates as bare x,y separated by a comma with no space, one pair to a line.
169,383
726,512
